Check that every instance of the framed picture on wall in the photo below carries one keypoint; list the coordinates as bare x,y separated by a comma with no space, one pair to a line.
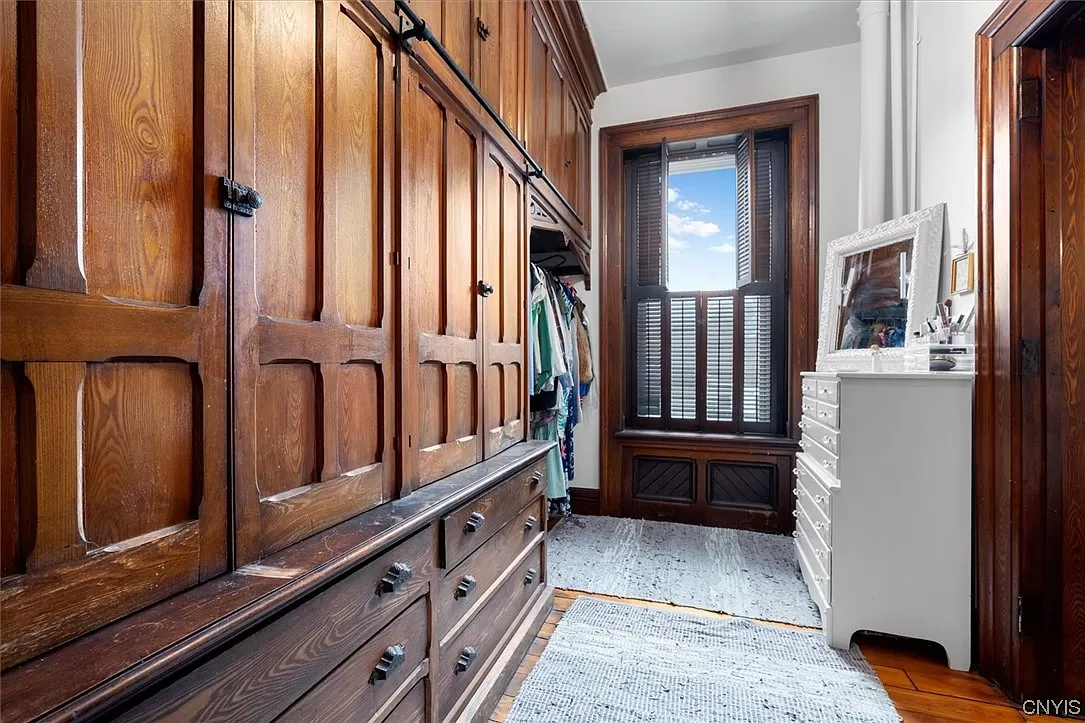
963,274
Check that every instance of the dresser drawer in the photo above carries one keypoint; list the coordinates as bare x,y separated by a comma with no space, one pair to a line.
827,437
813,517
809,486
264,673
809,387
463,531
816,581
467,655
828,414
823,458
460,592
817,551
827,390
809,406
357,689
412,708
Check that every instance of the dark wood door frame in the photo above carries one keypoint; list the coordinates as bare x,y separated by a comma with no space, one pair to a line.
800,116
1021,572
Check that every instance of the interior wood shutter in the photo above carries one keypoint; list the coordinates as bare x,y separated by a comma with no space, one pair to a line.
743,215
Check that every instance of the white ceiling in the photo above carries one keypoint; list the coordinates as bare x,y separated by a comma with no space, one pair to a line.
644,39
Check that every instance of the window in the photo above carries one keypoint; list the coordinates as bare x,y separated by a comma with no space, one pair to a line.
706,284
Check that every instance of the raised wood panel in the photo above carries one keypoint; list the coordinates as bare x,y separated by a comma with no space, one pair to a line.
10,270
138,462
499,58
138,237
314,340
554,155
536,60
503,252
440,220
114,421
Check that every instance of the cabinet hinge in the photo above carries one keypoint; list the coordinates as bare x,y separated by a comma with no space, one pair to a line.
1030,358
395,73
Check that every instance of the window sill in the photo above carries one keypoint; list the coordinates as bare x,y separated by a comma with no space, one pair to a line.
749,443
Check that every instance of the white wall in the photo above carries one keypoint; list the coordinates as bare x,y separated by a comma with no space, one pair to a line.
831,73
946,118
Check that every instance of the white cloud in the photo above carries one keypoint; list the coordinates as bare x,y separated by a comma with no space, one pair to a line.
672,195
724,248
676,243
686,205
686,226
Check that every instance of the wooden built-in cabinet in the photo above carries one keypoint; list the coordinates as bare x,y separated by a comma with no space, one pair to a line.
264,278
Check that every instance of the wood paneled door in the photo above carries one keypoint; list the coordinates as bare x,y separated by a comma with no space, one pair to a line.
503,250
441,155
113,383
314,115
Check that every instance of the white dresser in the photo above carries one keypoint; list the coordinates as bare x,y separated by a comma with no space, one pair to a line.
884,505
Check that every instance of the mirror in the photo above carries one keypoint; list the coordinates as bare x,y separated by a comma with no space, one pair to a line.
879,284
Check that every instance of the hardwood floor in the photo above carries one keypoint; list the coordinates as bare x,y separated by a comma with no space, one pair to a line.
920,684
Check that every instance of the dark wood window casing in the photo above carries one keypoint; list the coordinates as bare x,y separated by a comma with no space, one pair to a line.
700,390
714,360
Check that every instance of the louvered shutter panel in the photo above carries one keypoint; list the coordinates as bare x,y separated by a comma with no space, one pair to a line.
757,360
649,356
743,216
647,220
683,343
720,359
763,216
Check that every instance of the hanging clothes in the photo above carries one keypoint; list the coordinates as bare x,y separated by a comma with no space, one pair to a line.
559,358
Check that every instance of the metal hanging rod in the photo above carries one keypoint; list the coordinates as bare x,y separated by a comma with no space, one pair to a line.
420,31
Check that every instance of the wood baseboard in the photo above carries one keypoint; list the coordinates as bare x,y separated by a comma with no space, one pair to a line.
584,501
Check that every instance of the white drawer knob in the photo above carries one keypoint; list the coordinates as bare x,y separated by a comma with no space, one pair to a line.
819,553
827,439
819,579
819,526
820,499
796,534
822,414
795,514
802,425
797,492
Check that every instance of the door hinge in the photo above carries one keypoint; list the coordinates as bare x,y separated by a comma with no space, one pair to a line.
1028,98
1030,358
238,198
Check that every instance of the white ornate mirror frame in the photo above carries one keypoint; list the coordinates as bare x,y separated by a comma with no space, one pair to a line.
925,229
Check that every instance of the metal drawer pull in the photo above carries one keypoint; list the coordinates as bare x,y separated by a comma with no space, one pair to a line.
396,577
529,576
536,478
474,522
467,584
529,523
390,662
466,659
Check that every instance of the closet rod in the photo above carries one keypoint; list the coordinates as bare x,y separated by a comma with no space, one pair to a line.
421,31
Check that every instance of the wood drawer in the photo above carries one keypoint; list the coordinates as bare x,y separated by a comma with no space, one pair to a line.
809,486
827,437
822,457
356,690
464,531
828,390
461,591
469,654
258,677
412,708
828,414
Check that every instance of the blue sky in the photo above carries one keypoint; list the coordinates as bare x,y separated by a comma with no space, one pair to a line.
701,230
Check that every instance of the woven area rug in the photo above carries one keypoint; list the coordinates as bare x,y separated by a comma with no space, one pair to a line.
614,663
749,574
